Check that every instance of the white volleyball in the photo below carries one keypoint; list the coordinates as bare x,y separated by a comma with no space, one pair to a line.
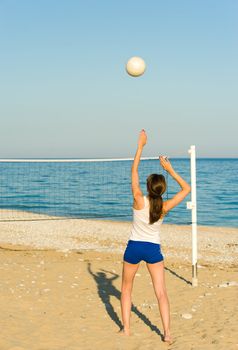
135,66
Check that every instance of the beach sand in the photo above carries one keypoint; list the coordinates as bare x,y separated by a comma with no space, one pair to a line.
60,288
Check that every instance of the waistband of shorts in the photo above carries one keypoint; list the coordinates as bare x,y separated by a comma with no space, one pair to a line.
131,241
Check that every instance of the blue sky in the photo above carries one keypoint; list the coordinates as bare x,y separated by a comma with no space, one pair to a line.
65,93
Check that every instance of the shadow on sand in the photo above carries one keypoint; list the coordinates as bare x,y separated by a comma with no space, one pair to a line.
106,290
180,277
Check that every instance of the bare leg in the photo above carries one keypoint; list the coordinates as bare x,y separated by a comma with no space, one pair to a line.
158,278
128,274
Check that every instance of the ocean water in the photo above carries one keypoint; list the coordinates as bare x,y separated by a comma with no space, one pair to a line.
103,189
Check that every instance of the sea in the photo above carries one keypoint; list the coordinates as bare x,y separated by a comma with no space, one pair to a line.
102,189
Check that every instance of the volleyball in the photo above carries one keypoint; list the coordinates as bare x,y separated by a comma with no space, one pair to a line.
135,66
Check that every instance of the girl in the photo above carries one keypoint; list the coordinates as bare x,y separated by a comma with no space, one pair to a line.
144,240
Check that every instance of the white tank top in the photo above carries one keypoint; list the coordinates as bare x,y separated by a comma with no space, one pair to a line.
141,229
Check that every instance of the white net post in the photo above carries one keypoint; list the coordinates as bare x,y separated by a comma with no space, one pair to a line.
193,206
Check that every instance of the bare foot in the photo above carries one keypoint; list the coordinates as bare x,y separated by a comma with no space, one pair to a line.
124,332
168,339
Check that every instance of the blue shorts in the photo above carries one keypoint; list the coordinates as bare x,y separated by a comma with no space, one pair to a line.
138,250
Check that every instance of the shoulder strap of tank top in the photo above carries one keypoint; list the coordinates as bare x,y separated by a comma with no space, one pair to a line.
145,201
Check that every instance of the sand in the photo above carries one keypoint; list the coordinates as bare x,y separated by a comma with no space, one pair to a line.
60,288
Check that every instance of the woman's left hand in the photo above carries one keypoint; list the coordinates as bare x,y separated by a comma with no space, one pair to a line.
142,138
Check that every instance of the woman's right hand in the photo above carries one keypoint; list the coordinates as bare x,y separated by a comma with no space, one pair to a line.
165,163
185,187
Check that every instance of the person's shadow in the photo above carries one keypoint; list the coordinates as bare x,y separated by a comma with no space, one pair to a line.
106,290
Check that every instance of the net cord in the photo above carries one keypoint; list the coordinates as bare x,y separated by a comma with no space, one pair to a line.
45,160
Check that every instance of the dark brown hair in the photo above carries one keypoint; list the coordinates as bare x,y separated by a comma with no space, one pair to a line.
156,186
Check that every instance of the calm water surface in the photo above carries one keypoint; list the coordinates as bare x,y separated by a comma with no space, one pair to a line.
102,189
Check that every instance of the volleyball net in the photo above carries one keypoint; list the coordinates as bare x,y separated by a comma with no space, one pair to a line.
43,189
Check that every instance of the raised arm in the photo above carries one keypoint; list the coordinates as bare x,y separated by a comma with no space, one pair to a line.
135,182
185,187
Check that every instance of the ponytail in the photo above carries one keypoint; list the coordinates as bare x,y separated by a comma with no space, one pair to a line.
156,208
156,186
